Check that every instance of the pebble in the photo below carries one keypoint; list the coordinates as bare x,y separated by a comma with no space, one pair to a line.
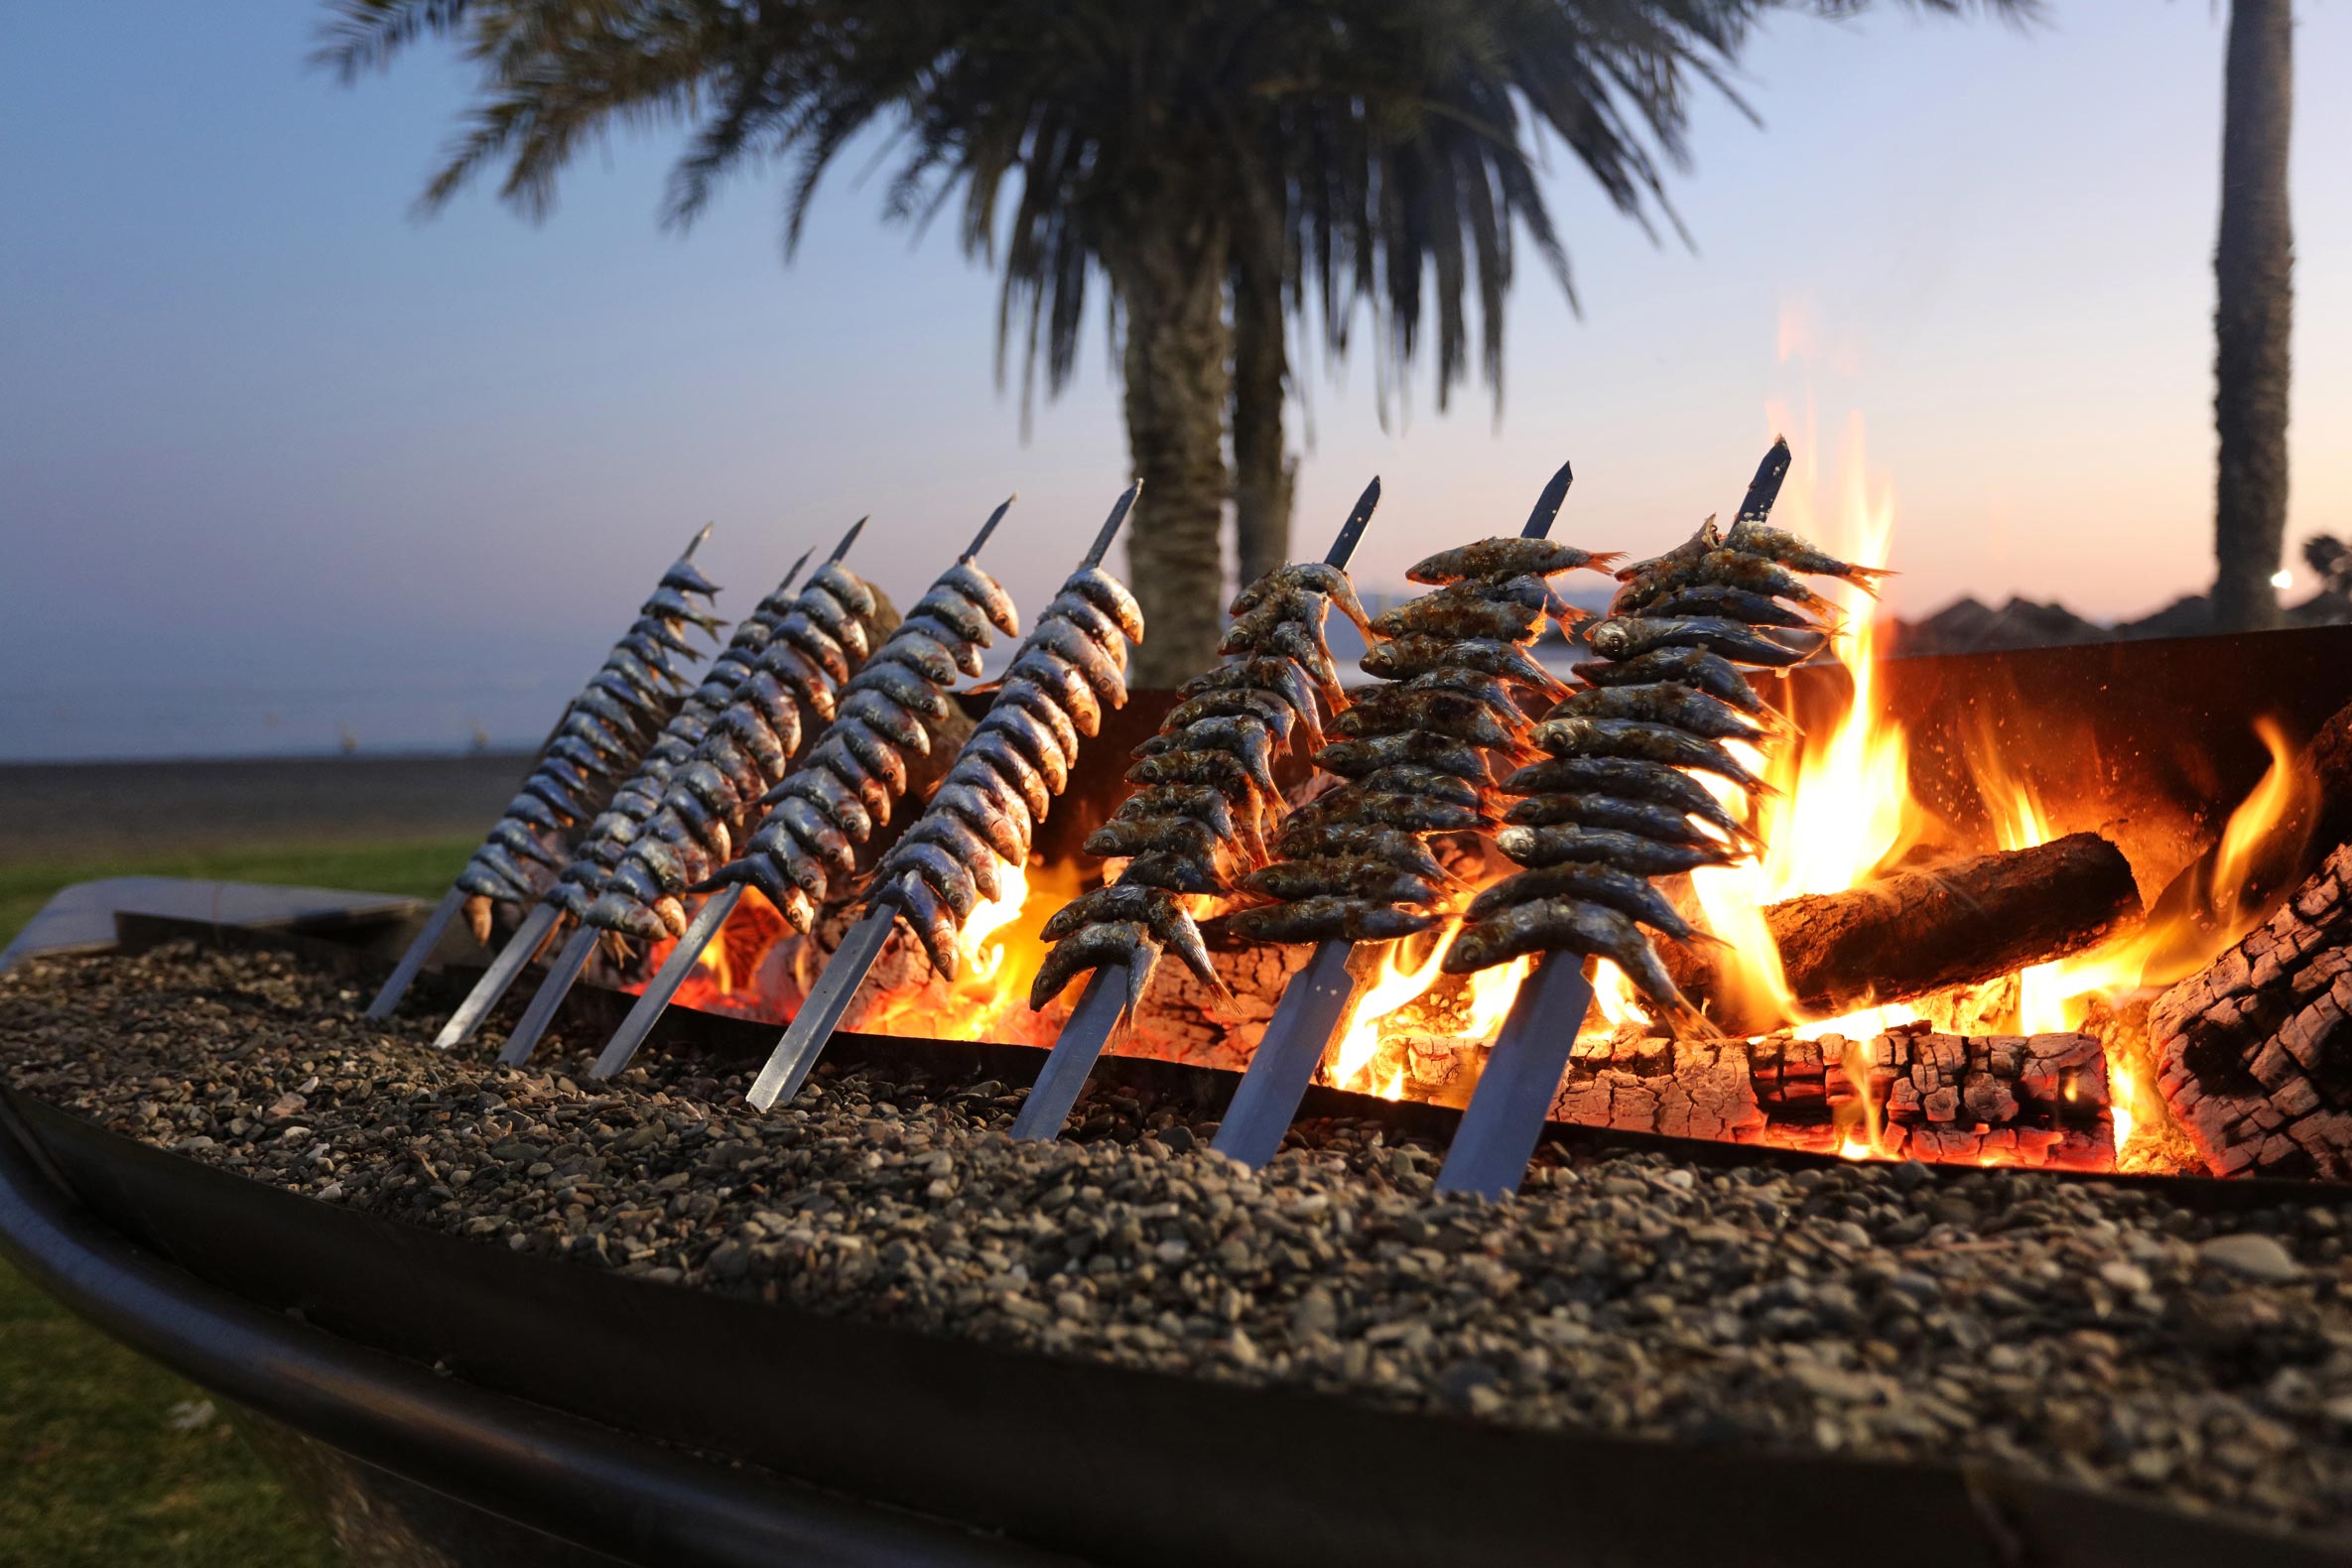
2100,1334
2259,1257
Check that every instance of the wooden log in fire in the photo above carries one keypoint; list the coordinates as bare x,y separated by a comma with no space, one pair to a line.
2015,1099
2331,767
1915,932
2253,1053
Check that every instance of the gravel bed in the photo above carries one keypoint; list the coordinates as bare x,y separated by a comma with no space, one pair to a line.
2088,1331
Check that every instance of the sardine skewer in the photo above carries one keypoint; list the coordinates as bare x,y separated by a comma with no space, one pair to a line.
1569,918
1320,997
828,1001
620,747
1103,1006
720,903
637,801
589,875
614,833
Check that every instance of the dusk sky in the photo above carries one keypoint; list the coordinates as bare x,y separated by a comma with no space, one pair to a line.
275,458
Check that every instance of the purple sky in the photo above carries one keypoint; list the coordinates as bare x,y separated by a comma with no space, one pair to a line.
275,458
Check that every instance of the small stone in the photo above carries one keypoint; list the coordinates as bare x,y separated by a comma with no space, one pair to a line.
1314,1313
1989,1316
2254,1256
2130,1278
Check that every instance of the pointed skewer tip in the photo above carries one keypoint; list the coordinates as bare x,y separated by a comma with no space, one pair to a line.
989,527
849,538
1113,523
1548,504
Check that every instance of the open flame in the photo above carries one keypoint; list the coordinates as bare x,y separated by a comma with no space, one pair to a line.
1839,810
1840,806
1842,810
2221,904
1396,981
1001,949
1405,993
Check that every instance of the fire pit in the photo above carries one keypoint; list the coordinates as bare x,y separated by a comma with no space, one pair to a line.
1992,892
1903,1189
878,1273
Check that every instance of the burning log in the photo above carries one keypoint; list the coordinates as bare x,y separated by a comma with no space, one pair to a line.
2331,766
1917,932
2012,1100
2254,1055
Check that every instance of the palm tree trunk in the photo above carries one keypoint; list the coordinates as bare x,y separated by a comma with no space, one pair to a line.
2253,270
1169,268
1262,469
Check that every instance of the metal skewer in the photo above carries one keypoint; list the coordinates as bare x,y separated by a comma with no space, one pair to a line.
829,999
510,962
1101,1006
1320,997
652,1001
404,973
655,997
1513,1097
574,956
1314,1005
564,972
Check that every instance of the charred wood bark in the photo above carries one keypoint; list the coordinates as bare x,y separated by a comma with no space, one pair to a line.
2331,765
1909,1093
2254,1054
1917,932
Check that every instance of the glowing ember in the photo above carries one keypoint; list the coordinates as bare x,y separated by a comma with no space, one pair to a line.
1001,950
1392,984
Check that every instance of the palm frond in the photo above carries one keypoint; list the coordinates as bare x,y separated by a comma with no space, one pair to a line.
1386,155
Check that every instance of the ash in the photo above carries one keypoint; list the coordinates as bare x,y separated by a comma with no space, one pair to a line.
2094,1332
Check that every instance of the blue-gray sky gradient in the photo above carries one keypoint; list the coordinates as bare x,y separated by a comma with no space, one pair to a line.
275,458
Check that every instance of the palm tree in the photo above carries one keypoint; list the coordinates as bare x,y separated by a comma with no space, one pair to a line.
1393,148
1224,165
2254,312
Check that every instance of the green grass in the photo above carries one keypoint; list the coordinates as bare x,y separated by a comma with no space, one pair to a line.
91,1468
422,868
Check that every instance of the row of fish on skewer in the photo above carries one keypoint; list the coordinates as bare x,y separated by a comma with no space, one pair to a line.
1615,799
1588,787
609,733
729,797
1592,803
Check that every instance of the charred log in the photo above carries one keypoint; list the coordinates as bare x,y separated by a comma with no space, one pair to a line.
2331,766
2254,1054
1917,932
1909,1093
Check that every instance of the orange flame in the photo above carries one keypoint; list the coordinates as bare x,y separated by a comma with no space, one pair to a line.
2057,995
1404,991
1001,947
1842,806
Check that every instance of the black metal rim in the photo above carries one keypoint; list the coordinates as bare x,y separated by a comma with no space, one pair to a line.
521,1462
